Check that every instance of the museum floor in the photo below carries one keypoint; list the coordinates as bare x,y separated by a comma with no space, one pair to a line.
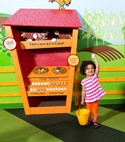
15,126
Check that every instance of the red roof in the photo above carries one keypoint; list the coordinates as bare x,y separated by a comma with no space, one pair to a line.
44,18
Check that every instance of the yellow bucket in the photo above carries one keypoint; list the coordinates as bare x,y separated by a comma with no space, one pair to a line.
82,116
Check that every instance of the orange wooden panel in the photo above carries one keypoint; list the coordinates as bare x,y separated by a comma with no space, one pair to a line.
114,69
48,110
49,73
118,98
46,44
18,71
116,79
71,71
37,79
47,93
115,91
8,83
7,70
9,94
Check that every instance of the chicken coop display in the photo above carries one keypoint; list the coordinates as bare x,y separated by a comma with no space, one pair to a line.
44,39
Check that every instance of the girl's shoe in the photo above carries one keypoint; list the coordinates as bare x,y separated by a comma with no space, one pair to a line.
89,123
96,125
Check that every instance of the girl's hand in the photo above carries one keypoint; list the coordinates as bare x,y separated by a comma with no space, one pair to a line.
96,63
82,103
93,56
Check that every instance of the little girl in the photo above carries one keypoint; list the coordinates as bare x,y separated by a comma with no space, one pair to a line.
91,89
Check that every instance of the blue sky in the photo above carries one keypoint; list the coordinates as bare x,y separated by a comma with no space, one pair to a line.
11,6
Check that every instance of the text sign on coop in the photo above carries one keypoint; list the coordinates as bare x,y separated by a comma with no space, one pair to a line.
9,43
73,60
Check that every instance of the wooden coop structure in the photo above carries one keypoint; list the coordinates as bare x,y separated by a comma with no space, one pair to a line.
44,39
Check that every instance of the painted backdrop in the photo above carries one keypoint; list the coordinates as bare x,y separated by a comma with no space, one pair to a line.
103,33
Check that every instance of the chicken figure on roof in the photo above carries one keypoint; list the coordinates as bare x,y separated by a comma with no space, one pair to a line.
61,3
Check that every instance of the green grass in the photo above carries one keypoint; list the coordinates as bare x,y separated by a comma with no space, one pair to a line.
9,106
6,67
9,89
11,100
113,86
8,77
5,60
4,15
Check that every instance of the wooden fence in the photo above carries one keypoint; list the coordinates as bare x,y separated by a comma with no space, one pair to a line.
9,98
77,81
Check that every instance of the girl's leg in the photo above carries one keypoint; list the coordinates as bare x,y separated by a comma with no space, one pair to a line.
95,113
89,107
95,110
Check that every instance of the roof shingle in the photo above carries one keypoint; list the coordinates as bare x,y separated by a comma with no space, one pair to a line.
44,18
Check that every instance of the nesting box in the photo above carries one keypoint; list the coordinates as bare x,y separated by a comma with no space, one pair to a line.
40,42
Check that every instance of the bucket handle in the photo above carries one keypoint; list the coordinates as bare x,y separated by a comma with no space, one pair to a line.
79,108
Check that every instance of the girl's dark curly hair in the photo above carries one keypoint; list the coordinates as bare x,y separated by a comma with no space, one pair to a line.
85,64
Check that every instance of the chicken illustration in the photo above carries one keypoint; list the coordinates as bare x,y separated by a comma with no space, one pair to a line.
61,3
29,36
62,35
10,42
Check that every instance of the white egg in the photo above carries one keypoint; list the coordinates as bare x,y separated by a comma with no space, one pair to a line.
53,40
29,39
93,55
38,83
33,83
34,36
65,88
31,89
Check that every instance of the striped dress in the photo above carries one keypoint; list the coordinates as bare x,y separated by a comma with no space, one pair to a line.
92,88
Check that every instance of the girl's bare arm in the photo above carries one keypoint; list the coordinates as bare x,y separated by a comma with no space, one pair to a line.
96,63
83,95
